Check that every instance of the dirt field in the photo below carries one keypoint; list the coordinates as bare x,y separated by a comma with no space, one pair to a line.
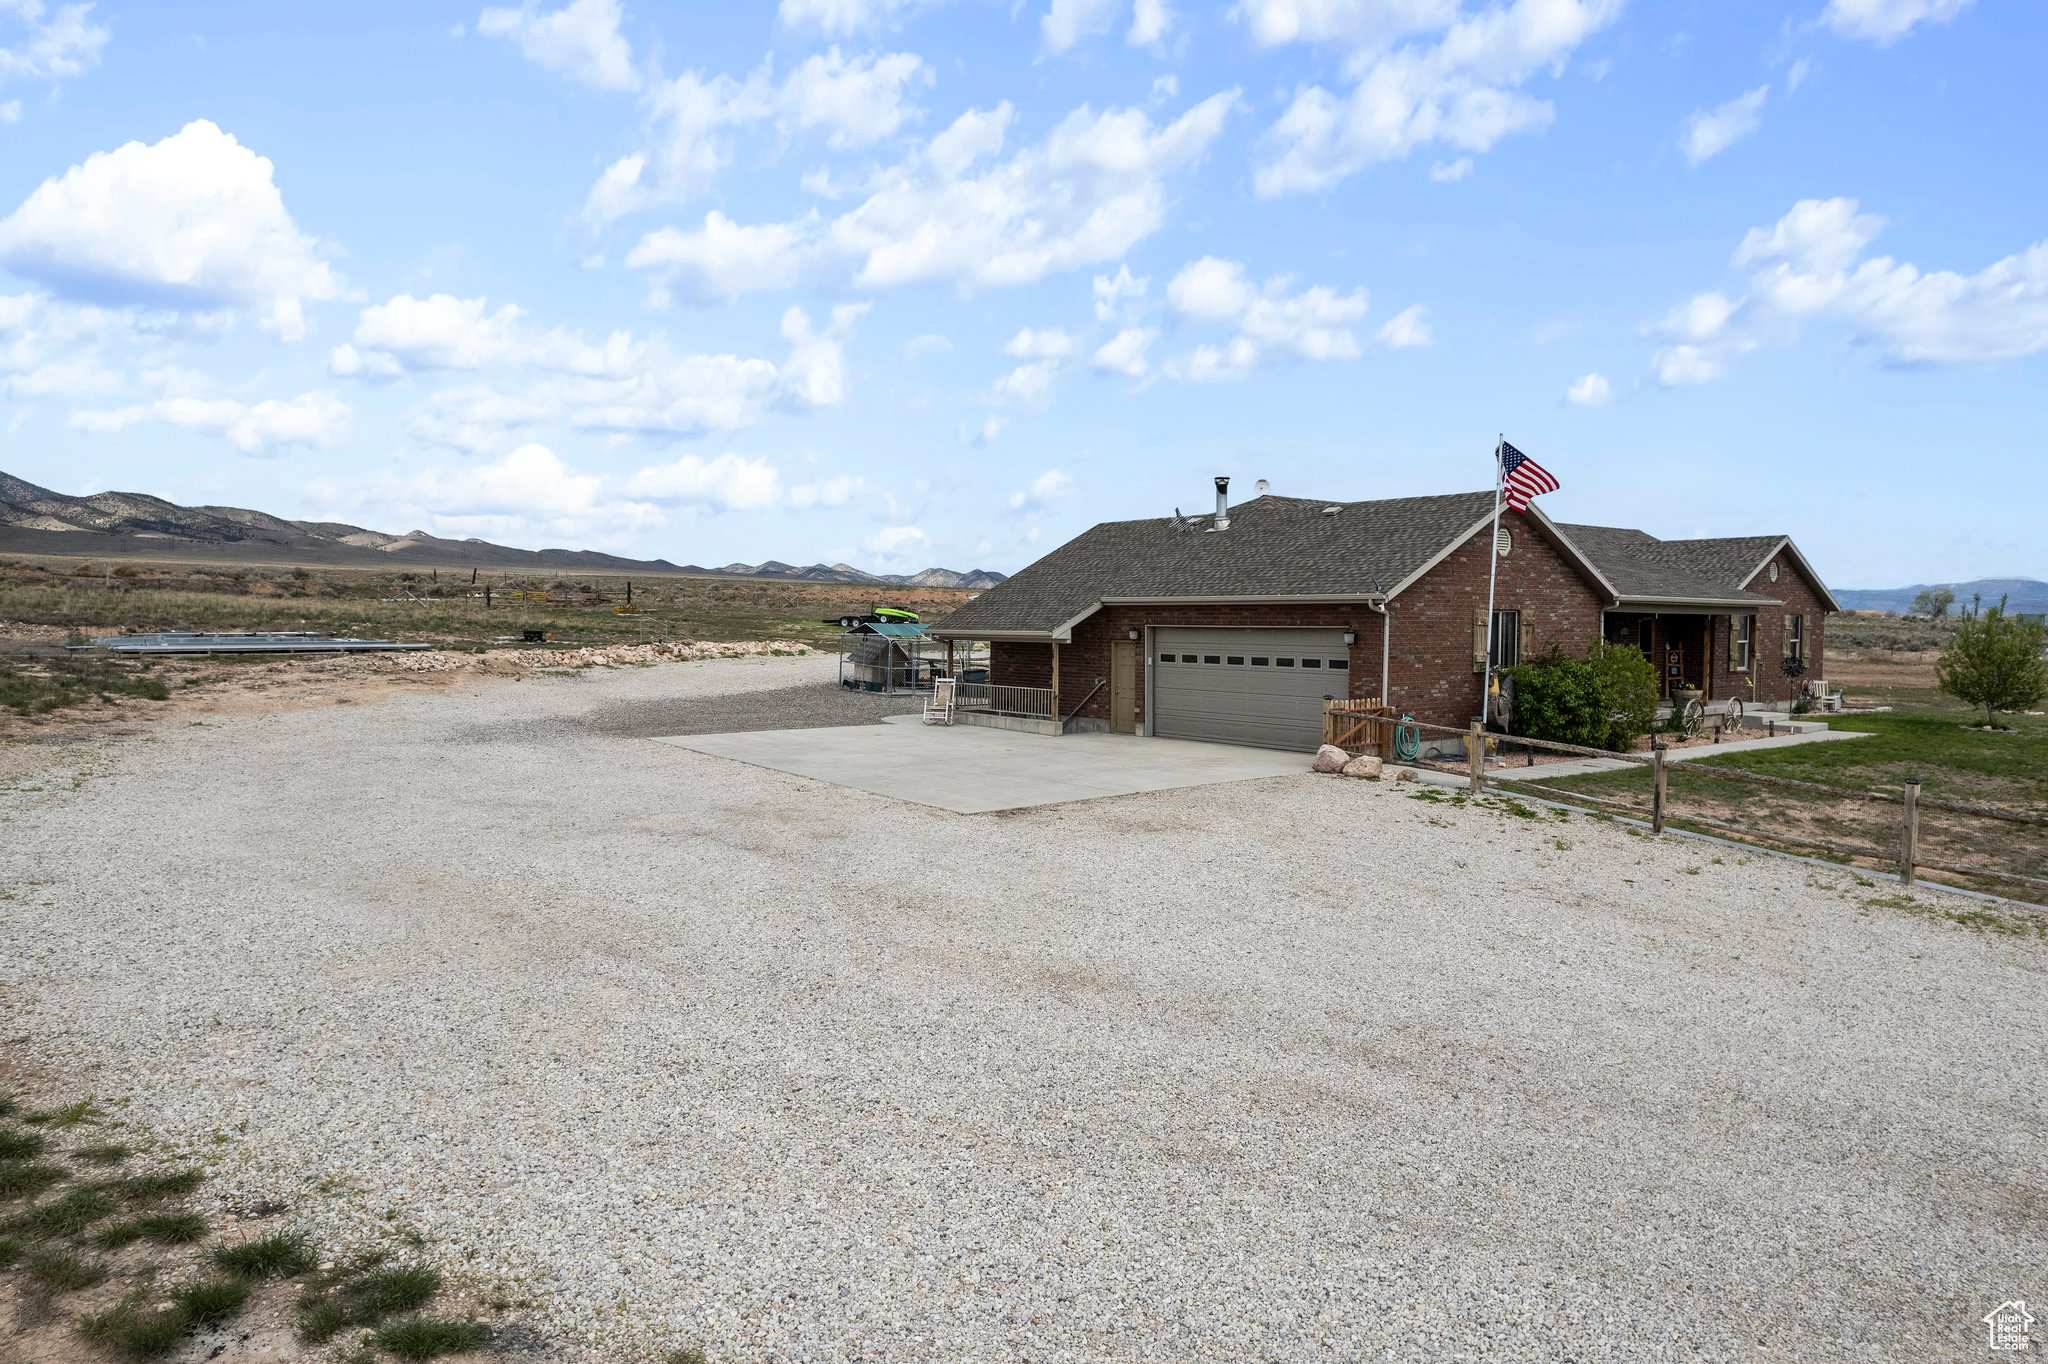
678,1050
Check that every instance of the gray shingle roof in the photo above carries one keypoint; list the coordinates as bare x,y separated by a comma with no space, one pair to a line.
1642,566
1275,547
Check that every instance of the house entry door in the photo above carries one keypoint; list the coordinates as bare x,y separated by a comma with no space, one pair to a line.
1123,686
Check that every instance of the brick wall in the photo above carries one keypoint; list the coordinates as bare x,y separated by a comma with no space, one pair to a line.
1800,598
1430,660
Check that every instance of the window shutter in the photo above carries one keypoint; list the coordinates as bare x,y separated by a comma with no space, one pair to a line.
1478,639
1528,641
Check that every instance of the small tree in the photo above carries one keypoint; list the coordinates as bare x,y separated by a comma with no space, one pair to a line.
1627,684
1933,603
1995,661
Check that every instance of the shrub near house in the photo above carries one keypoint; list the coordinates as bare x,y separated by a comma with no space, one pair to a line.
1607,699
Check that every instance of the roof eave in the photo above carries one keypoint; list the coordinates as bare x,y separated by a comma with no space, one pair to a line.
1715,603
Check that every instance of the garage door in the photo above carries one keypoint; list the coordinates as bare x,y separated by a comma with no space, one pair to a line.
1259,687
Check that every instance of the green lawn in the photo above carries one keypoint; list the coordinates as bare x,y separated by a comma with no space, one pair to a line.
1931,741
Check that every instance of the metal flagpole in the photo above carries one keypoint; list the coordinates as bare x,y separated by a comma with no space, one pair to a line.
1492,571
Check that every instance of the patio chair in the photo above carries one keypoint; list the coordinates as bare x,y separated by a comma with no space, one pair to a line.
938,707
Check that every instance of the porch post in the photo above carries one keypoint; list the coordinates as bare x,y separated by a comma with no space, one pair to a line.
949,660
1055,679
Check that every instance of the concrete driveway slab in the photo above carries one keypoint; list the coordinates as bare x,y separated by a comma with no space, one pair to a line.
970,770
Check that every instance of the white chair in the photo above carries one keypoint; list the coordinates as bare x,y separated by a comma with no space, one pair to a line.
938,707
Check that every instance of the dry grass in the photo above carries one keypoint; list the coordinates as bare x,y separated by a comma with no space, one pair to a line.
446,609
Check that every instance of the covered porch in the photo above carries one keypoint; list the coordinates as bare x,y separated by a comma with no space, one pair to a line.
1691,649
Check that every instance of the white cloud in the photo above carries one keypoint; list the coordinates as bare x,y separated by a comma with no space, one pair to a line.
1067,22
1709,132
477,419
1049,487
63,45
1450,172
842,16
1461,90
1151,20
724,260
1124,353
1215,364
991,427
1049,344
835,492
10,112
193,223
1812,267
530,496
315,419
50,349
930,343
580,41
815,373
623,386
1591,391
899,542
1030,383
1886,21
1314,324
1093,189
854,101
1409,327
1119,299
729,483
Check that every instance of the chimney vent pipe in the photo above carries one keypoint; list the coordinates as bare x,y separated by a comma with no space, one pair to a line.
1222,502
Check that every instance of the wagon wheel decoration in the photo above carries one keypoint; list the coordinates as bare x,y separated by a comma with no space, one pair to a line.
1732,718
1695,718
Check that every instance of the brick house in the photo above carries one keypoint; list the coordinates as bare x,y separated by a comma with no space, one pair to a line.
1236,626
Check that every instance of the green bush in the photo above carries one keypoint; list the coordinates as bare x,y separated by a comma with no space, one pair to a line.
1606,700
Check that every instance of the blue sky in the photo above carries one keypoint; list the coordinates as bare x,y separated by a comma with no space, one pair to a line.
914,282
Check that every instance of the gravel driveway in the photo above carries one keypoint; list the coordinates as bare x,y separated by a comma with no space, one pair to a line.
1294,1069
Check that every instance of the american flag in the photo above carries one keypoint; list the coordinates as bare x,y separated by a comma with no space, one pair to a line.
1522,478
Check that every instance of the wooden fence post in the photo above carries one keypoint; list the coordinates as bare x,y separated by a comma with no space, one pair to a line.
1475,748
1657,789
1909,837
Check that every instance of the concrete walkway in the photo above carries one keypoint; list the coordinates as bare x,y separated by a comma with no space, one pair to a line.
1585,765
970,770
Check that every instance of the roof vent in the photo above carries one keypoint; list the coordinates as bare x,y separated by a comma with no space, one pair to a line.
1331,511
1264,487
1222,503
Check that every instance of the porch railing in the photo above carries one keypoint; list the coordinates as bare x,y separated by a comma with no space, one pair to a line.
1032,703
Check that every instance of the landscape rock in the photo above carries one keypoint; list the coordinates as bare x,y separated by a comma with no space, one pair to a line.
1407,774
1329,758
1367,766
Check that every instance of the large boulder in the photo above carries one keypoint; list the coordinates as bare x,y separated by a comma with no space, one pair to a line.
1330,758
1367,766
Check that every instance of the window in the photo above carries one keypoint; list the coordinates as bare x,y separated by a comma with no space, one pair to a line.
1211,658
1260,662
1311,663
1795,637
1284,662
1504,646
1237,660
1341,664
1741,644
1166,658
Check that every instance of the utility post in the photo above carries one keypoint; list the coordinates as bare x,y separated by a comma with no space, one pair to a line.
1657,788
1909,836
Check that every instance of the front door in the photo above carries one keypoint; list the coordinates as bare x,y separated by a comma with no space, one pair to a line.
1123,686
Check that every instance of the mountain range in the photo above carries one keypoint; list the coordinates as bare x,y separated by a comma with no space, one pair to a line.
35,520
2022,594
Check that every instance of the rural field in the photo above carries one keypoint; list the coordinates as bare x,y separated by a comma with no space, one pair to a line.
1925,734
620,1050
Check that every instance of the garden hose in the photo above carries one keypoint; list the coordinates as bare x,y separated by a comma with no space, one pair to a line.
1407,740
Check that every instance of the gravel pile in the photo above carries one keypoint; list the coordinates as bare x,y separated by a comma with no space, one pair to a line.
1298,1069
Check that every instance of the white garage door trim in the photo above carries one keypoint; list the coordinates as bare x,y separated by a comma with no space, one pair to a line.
1255,692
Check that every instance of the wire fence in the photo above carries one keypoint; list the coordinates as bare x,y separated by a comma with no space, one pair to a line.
1906,832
